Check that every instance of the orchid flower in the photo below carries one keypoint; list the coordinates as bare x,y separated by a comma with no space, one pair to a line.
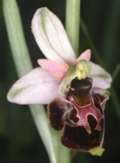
75,89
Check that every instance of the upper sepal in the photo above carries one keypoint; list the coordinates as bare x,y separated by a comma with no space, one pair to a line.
51,37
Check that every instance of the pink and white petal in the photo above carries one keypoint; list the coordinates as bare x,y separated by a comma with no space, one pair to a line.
86,55
57,70
37,87
51,37
101,78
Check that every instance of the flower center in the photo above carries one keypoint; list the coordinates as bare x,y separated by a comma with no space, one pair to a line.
82,70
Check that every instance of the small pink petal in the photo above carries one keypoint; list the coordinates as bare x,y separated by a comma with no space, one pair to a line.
86,55
37,87
55,69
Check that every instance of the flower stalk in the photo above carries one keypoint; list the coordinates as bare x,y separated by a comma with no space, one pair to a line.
73,22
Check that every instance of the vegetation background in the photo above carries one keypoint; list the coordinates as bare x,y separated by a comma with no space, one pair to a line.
19,140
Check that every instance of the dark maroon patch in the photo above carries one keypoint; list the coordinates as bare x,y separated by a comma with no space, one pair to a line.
56,114
73,116
92,122
78,138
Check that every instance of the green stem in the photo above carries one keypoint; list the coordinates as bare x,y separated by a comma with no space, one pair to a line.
41,121
73,22
23,64
99,60
61,151
16,37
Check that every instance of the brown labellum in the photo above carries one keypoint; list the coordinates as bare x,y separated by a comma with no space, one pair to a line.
79,116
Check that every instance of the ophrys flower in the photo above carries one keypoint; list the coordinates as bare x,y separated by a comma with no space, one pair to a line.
75,89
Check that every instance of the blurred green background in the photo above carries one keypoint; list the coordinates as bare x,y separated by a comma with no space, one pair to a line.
19,140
